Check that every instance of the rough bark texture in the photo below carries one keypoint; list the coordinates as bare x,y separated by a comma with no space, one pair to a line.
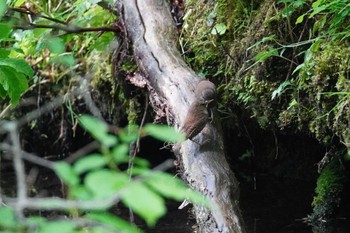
151,30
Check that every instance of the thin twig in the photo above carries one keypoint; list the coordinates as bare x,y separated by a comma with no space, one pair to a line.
28,156
135,151
68,29
19,169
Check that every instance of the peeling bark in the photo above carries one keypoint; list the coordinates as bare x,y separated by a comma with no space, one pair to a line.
152,32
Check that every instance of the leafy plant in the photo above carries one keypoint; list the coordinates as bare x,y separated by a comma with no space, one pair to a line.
99,180
13,71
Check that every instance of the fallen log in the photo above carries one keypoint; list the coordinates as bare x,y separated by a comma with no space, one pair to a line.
152,32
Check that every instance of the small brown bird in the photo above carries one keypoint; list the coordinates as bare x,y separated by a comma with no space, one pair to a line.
205,92
196,119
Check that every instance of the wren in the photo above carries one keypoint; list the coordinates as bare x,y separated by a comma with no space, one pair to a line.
196,119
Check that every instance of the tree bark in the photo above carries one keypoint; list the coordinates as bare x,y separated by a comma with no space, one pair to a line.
152,32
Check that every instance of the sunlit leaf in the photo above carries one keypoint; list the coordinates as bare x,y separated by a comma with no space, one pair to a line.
8,218
66,173
89,162
168,185
163,133
66,59
98,129
55,227
135,196
219,29
300,19
20,65
102,42
55,45
120,153
105,183
112,221
13,84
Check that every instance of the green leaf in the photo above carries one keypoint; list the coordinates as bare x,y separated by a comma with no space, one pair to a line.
13,83
98,129
102,42
80,192
163,133
120,153
67,173
19,3
66,59
3,92
20,65
219,29
55,227
300,19
3,8
143,201
8,218
89,162
263,55
4,52
110,220
168,185
5,30
280,89
105,183
55,45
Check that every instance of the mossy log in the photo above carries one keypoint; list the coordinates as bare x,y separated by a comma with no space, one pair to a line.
150,28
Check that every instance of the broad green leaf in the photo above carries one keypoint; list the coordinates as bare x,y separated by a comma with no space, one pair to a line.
142,163
80,192
167,185
3,8
67,173
110,220
143,201
89,162
105,183
4,52
8,218
163,133
13,83
55,45
120,153
102,42
19,65
219,29
5,30
55,227
98,129
66,59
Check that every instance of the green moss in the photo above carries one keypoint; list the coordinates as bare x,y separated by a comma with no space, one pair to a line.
328,191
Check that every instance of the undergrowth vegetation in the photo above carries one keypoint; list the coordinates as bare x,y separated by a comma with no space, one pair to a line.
285,64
